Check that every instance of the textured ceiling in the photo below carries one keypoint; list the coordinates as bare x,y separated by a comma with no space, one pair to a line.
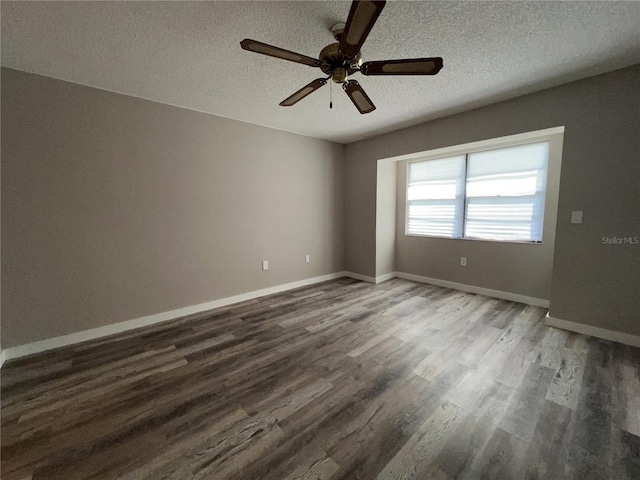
188,54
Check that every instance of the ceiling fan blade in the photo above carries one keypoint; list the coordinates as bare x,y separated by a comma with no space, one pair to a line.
303,92
359,98
266,49
362,16
409,66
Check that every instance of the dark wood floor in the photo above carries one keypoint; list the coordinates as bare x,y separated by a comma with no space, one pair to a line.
342,380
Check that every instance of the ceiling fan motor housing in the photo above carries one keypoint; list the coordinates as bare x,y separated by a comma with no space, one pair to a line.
335,64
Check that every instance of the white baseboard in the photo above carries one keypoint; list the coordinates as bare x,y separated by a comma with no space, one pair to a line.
386,276
366,278
592,331
358,276
92,334
514,297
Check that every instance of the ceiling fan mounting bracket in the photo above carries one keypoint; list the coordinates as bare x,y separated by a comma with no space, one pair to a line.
337,30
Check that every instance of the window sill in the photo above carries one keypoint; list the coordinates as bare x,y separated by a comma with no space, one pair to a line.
519,242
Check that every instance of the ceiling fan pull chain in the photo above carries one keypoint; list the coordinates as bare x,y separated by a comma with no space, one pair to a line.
330,95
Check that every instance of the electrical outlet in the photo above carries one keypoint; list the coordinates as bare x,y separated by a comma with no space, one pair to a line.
265,265
576,216
463,261
307,258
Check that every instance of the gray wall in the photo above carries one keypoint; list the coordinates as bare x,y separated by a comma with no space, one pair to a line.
115,207
386,218
592,283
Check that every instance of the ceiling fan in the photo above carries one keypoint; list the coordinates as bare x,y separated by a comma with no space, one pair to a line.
341,59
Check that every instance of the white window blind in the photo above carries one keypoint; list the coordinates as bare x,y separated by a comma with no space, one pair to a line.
435,197
505,193
494,194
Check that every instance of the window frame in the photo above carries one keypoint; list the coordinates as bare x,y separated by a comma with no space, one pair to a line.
475,147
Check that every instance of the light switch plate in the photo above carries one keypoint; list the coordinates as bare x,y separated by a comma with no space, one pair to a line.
265,265
576,216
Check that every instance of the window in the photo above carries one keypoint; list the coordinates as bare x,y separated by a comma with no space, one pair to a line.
436,197
493,194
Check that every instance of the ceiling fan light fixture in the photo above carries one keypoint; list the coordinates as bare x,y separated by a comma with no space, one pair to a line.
339,75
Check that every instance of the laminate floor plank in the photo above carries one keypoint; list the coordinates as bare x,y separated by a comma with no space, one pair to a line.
502,457
566,383
547,454
384,427
456,458
433,364
416,456
525,406
629,386
626,461
335,381
482,340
